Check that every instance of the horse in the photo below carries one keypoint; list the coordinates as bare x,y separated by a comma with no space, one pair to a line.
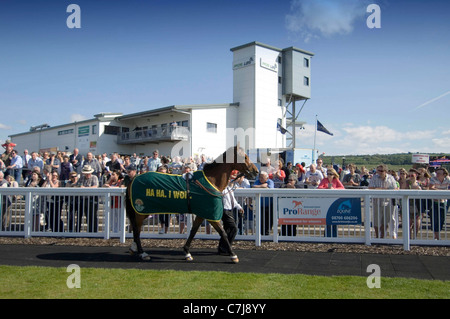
217,174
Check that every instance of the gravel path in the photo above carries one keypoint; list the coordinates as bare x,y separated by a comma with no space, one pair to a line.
199,243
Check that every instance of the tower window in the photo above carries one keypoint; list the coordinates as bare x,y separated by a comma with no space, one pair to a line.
306,81
306,63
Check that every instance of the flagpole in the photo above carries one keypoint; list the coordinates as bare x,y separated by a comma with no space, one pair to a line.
314,149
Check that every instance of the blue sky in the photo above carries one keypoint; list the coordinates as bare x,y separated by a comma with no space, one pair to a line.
383,90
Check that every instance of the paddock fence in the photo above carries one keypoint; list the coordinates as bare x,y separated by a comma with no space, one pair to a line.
403,217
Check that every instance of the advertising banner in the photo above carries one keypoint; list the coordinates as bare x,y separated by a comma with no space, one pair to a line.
319,211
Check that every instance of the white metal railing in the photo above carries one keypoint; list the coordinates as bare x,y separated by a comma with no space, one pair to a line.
63,212
402,217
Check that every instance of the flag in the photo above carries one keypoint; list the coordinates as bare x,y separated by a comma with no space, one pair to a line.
322,128
281,129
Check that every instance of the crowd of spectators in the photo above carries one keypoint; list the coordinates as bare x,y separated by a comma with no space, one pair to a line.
60,169
386,212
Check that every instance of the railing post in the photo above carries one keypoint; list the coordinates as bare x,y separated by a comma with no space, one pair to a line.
367,214
257,208
107,214
405,223
123,219
28,218
275,218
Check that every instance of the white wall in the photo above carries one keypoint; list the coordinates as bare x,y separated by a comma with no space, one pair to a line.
203,142
243,86
258,92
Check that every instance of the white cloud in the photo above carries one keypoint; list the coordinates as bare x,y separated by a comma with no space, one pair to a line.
366,139
353,139
5,127
443,144
314,18
77,118
384,134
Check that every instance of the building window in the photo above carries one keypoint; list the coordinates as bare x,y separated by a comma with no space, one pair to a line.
94,129
112,130
279,59
279,80
306,63
64,132
306,81
211,127
164,129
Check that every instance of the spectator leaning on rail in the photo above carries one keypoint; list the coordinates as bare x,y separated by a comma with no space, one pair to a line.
440,182
331,181
351,179
89,203
381,206
266,202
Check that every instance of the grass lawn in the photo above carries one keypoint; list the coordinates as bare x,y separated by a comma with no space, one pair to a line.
47,282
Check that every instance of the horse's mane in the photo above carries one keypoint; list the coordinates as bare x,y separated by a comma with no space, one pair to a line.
211,165
220,160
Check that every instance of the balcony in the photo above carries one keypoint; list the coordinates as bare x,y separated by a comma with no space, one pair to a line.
154,135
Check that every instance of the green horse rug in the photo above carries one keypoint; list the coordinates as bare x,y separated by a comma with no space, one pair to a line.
159,193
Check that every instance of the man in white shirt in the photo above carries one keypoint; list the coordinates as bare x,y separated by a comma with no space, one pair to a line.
313,177
25,159
154,162
15,168
382,207
35,161
229,223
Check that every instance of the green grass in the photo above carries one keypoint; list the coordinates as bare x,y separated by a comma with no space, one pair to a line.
47,282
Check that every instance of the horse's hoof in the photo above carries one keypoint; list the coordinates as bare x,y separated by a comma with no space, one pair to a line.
188,257
145,257
133,249
235,259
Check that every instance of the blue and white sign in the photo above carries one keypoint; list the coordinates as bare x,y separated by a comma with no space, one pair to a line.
319,211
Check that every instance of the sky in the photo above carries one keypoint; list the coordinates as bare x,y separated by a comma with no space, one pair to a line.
378,90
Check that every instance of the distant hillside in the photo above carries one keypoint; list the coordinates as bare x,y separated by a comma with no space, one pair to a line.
371,161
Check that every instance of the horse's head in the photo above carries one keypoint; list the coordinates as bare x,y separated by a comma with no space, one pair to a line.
243,164
220,169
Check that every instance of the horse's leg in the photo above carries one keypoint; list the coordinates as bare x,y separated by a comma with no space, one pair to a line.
197,222
136,246
136,224
223,235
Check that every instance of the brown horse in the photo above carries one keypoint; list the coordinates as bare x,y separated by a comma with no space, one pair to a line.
218,174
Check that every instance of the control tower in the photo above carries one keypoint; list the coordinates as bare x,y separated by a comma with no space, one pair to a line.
268,84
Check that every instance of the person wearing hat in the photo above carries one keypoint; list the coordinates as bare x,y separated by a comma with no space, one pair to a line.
89,203
7,156
131,173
